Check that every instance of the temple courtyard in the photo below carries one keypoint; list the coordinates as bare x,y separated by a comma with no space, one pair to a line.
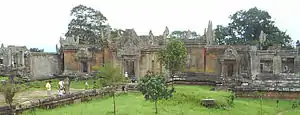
186,101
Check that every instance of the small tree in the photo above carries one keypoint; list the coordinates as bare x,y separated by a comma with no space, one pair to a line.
173,56
9,90
154,88
110,76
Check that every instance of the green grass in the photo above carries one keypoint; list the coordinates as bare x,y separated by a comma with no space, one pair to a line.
40,85
186,101
3,78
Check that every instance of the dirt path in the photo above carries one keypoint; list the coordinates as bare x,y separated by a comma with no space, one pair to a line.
29,95
280,113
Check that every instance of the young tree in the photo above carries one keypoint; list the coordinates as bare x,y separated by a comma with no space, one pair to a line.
9,90
173,56
111,76
153,87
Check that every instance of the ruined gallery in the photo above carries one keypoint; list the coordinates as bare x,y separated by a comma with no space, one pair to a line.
136,54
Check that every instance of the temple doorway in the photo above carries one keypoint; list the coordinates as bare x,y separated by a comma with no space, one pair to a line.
129,68
230,70
84,66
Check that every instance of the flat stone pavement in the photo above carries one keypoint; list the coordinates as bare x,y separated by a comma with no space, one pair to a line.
29,95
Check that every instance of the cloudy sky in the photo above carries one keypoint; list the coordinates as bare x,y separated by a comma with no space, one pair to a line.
40,23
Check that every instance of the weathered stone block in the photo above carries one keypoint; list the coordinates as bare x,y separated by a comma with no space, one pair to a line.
209,103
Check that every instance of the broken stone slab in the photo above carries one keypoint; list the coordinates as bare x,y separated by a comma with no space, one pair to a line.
209,103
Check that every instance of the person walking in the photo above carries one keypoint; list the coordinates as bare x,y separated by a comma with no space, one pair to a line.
67,85
61,87
48,87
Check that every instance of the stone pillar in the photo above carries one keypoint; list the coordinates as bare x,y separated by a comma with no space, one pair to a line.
254,61
137,68
22,58
148,63
124,66
9,58
223,68
277,65
297,64
236,70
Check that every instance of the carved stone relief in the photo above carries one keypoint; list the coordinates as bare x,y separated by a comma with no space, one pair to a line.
83,54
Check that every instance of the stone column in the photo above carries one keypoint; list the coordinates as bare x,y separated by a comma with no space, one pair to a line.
254,62
277,65
9,58
223,68
137,68
236,70
148,65
297,64
123,66
22,58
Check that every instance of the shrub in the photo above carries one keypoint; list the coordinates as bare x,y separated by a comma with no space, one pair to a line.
9,90
154,88
296,103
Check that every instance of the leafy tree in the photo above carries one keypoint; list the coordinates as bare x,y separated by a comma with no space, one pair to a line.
88,24
153,88
245,28
110,76
36,50
9,90
183,34
173,56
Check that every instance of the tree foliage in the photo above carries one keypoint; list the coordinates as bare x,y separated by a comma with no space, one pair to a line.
153,87
245,28
184,34
298,45
110,76
9,90
88,24
173,56
36,50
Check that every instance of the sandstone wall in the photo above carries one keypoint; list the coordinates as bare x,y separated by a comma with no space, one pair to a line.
43,65
73,65
70,63
149,62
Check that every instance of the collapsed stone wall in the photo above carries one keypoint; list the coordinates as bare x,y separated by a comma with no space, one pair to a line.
44,65
58,101
268,94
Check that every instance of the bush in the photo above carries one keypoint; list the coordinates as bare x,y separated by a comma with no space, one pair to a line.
296,103
3,78
9,90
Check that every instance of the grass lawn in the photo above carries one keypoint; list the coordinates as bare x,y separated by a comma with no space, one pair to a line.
40,85
184,102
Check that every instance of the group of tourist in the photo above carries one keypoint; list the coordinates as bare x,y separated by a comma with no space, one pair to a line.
63,87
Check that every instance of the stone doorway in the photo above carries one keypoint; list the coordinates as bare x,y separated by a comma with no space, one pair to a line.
84,66
129,68
230,70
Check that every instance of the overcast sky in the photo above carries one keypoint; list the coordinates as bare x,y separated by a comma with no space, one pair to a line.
40,23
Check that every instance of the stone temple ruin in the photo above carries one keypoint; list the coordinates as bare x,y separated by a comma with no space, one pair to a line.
242,67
